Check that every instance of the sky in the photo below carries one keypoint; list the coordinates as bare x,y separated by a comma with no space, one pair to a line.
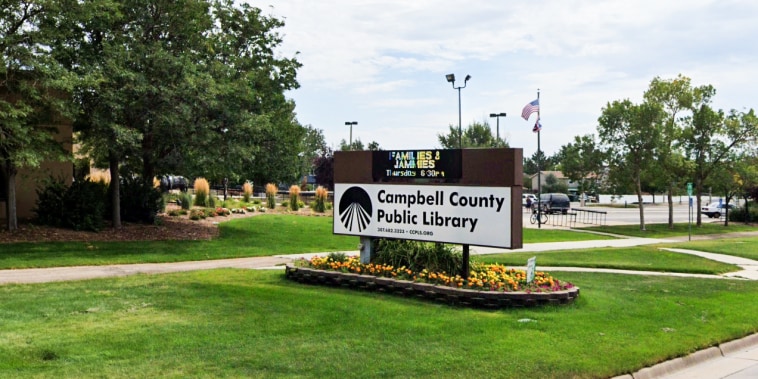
383,63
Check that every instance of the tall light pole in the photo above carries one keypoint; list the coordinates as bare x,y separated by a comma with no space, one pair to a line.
498,115
451,79
465,252
351,123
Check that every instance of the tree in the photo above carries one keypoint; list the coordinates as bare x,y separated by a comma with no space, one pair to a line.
675,96
357,145
323,169
581,159
313,146
183,87
476,134
28,95
710,136
553,185
539,159
629,134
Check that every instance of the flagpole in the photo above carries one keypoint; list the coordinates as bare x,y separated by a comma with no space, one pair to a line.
539,167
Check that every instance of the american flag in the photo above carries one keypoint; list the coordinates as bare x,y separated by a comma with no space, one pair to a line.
537,126
530,108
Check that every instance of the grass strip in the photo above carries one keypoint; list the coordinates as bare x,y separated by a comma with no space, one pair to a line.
746,247
262,235
245,323
680,229
640,258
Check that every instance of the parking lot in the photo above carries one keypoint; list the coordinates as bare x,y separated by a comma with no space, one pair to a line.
605,215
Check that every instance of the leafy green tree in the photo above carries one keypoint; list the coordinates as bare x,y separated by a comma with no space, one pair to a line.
553,185
28,95
539,159
314,145
675,96
357,145
580,160
710,136
629,134
476,134
374,146
185,86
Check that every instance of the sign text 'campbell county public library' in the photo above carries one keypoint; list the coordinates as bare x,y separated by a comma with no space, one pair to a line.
451,196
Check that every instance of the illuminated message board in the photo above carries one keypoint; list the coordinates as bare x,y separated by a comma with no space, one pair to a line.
416,164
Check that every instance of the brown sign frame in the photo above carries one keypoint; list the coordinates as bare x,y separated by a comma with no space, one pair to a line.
489,167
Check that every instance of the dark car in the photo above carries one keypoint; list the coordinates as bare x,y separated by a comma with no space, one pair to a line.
555,202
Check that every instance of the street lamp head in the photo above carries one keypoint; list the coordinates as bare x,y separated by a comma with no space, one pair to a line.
351,122
502,114
467,79
494,114
450,78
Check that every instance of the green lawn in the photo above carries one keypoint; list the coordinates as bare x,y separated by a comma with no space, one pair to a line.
247,323
680,229
746,247
247,237
640,258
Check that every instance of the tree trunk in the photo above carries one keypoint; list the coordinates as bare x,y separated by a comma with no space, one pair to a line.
10,204
698,193
671,205
638,189
115,190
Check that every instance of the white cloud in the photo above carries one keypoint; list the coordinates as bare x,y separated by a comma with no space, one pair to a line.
384,61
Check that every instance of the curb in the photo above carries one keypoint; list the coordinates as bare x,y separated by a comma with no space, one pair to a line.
704,356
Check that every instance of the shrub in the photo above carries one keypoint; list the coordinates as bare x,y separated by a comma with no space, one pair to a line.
247,191
740,215
320,202
197,214
337,257
202,192
295,197
140,201
177,212
80,206
271,195
212,201
185,200
417,256
256,202
49,206
85,204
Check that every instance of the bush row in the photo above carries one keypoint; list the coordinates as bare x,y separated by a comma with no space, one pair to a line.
85,204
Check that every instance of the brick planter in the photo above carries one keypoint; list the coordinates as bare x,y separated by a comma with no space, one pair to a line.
445,294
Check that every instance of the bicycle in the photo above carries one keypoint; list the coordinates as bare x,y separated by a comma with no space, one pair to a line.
542,216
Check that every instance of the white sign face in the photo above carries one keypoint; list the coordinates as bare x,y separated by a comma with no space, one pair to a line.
531,266
462,215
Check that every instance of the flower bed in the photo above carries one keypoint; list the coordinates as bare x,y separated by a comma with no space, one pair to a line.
489,286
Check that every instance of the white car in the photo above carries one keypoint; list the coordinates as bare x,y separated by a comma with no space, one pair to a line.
714,210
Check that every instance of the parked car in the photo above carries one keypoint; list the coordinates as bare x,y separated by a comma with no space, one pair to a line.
714,210
555,203
530,196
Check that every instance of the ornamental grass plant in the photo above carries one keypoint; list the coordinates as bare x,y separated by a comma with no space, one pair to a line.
271,195
294,197
320,201
247,192
202,192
